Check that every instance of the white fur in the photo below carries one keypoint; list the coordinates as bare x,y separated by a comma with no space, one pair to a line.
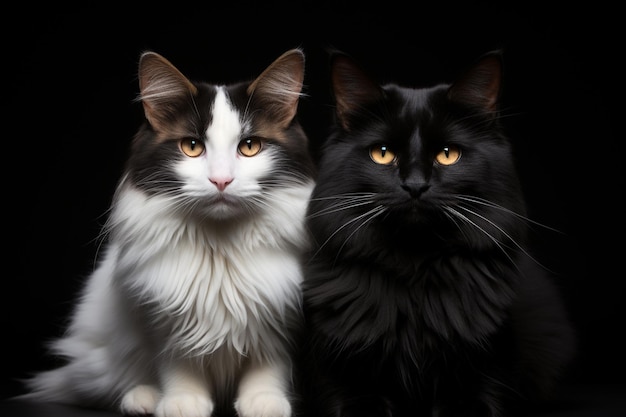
223,129
185,310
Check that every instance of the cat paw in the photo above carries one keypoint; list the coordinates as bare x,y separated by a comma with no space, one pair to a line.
140,400
184,405
263,404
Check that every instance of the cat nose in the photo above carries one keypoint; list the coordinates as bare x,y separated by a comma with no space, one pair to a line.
415,189
415,183
221,183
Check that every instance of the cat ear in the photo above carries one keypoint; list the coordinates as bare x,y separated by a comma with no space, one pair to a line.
479,87
162,88
353,88
278,88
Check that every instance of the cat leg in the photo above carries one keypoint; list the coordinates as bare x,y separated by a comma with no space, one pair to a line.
140,400
263,392
186,392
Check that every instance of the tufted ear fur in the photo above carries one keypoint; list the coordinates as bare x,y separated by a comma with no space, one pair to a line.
352,87
162,88
279,87
479,87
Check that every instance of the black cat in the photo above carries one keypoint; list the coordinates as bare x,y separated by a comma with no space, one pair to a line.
421,297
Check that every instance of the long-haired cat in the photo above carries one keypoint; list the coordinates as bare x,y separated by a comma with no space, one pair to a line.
192,309
421,297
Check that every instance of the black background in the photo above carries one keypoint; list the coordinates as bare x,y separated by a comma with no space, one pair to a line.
70,114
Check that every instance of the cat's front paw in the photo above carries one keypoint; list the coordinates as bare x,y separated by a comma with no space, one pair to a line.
140,400
263,404
184,405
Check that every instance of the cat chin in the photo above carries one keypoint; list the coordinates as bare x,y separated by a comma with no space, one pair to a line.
225,208
224,212
410,216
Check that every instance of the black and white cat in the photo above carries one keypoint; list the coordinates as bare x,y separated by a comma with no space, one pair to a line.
421,297
191,310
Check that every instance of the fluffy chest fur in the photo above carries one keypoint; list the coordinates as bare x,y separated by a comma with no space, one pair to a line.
406,314
208,284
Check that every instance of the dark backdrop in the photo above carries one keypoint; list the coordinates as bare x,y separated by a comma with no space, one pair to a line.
70,114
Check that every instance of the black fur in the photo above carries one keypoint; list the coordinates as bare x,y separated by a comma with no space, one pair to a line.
421,297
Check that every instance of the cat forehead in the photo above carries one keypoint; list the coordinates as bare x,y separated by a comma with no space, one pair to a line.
414,96
221,112
233,114
225,120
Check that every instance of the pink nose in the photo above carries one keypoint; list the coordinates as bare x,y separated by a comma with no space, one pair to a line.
221,183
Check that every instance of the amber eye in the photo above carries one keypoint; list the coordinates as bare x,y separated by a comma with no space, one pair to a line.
250,146
381,154
449,155
192,147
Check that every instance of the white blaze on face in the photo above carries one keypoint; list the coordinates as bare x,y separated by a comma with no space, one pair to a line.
223,137
221,174
214,171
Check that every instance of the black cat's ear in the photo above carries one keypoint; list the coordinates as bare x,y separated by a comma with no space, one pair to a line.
278,89
162,88
352,88
479,87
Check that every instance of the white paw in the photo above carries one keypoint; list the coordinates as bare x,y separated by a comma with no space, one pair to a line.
263,404
184,405
140,400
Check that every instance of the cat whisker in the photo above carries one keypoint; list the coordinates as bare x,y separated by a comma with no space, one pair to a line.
455,219
495,115
373,213
297,179
339,207
500,383
344,202
485,232
253,204
244,115
344,195
495,226
195,109
505,114
508,236
367,113
376,211
488,203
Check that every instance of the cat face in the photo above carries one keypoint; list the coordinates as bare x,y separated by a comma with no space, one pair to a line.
215,151
427,166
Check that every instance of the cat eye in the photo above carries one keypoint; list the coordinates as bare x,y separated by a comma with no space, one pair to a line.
449,155
250,146
192,147
381,154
